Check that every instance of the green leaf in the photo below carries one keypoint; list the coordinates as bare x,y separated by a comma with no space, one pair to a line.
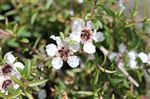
2,17
28,69
29,95
34,17
96,76
12,43
24,40
37,82
113,96
19,82
109,12
2,95
48,4
16,93
62,35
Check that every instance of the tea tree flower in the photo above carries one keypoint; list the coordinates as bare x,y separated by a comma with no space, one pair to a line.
11,66
85,33
145,58
132,59
63,51
9,69
118,56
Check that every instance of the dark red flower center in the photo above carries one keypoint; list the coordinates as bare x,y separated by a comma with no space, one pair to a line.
6,83
7,69
64,52
85,34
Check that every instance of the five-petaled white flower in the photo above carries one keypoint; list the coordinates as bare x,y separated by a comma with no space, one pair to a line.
9,69
132,59
85,33
64,51
144,57
118,57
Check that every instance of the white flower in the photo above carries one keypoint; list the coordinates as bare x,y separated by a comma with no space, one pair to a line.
132,59
5,82
86,34
62,52
144,57
9,69
118,56
11,66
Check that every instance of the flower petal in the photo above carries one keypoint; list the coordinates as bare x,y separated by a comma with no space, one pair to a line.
89,48
51,50
112,56
98,36
74,47
132,64
57,39
18,64
78,25
73,61
143,57
132,54
57,62
75,36
2,78
122,48
9,58
90,25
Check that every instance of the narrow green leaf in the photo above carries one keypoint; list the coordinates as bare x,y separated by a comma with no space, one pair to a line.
19,82
62,35
28,69
37,82
96,76
2,17
34,17
16,93
29,95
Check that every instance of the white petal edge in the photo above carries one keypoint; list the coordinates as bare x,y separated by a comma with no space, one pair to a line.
74,47
132,64
89,48
75,36
122,48
89,25
143,57
112,56
98,36
132,54
51,50
18,65
57,62
78,24
9,58
73,61
57,39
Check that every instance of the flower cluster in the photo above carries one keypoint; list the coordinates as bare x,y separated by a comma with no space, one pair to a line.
132,56
82,34
8,70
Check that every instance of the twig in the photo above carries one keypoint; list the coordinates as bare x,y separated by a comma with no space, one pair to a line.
93,8
120,66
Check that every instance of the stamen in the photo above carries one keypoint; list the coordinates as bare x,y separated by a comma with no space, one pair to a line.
6,83
6,69
85,34
64,53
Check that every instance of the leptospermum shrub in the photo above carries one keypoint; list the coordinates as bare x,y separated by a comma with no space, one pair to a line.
70,49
